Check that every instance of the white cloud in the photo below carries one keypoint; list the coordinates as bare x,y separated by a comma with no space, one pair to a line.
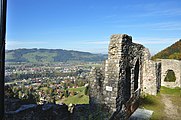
23,44
97,42
158,12
153,41
168,26
140,40
163,8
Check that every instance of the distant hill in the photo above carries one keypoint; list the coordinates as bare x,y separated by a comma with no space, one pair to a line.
171,52
51,55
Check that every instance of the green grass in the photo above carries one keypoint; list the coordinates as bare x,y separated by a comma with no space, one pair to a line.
77,99
171,91
44,88
80,98
155,104
79,89
175,94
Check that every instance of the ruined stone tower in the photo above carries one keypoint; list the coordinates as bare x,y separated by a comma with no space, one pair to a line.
116,87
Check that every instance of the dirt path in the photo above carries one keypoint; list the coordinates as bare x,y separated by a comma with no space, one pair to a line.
170,109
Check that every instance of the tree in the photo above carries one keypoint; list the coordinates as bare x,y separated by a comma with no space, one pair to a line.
20,94
66,93
8,92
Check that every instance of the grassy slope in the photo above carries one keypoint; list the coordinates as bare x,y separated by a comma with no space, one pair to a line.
154,102
77,99
9,56
79,89
43,56
175,96
80,98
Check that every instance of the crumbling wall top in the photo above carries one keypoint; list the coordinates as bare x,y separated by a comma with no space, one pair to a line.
121,37
115,46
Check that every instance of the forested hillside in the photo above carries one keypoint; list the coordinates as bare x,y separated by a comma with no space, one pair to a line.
171,52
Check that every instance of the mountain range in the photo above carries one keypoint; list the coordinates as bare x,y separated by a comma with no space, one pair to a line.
60,55
51,55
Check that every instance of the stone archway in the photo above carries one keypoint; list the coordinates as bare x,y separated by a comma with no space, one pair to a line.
170,73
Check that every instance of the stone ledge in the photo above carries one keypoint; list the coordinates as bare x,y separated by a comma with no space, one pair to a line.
141,114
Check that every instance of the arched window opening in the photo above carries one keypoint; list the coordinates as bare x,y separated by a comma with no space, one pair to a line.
136,75
170,77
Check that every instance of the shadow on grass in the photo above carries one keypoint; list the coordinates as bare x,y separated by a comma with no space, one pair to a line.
147,100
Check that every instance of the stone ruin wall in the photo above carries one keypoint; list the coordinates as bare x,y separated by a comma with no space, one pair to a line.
96,80
15,110
124,77
175,65
151,75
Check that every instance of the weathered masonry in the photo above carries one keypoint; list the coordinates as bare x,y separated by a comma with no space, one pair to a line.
174,68
127,73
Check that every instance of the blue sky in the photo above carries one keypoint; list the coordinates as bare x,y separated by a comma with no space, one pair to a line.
86,25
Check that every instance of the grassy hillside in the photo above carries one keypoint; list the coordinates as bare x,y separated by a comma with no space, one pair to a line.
51,55
77,99
80,98
171,52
